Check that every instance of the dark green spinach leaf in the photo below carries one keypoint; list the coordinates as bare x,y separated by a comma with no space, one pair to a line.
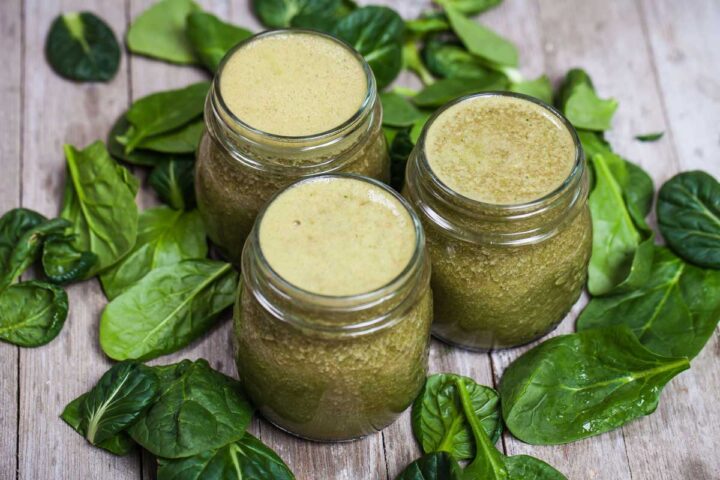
163,112
100,204
377,33
121,395
450,60
32,313
174,182
448,89
482,41
400,150
581,105
165,237
313,14
575,386
62,262
197,410
398,111
525,467
246,458
674,314
469,7
27,250
688,213
167,309
159,32
433,466
145,158
120,444
80,46
211,38
438,419
650,137
184,139
428,22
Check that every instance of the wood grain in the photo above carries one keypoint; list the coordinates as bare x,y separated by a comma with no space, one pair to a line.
11,55
58,111
658,58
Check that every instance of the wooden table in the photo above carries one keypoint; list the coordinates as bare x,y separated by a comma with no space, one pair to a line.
659,58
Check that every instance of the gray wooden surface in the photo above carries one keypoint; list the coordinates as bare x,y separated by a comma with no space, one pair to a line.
659,58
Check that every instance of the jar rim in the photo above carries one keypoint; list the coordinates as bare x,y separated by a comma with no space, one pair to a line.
509,207
312,138
336,303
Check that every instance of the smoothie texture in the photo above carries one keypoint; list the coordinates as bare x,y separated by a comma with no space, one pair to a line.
285,105
344,371
511,239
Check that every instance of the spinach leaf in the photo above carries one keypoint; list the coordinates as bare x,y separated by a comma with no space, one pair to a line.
575,386
688,213
539,88
174,182
145,158
27,250
439,421
450,60
121,395
100,204
650,137
32,313
198,409
165,237
674,314
448,89
80,46
13,224
211,38
245,458
411,61
622,241
525,467
62,262
159,32
482,41
377,33
184,139
581,105
400,150
314,14
488,462
469,7
163,112
428,22
433,466
167,309
398,111
119,444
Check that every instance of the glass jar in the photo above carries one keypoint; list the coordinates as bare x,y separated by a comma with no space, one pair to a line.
240,167
503,275
332,368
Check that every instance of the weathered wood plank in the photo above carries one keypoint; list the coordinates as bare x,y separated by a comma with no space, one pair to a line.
56,112
11,56
682,438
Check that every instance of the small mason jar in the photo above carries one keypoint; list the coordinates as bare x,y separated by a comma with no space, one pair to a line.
333,367
503,274
240,166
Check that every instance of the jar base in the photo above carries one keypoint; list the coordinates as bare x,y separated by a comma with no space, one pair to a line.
473,348
320,440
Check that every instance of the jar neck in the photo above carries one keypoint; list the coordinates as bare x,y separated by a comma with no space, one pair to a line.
483,223
287,155
341,316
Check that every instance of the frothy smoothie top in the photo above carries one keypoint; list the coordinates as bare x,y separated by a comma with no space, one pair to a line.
293,83
337,236
500,150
